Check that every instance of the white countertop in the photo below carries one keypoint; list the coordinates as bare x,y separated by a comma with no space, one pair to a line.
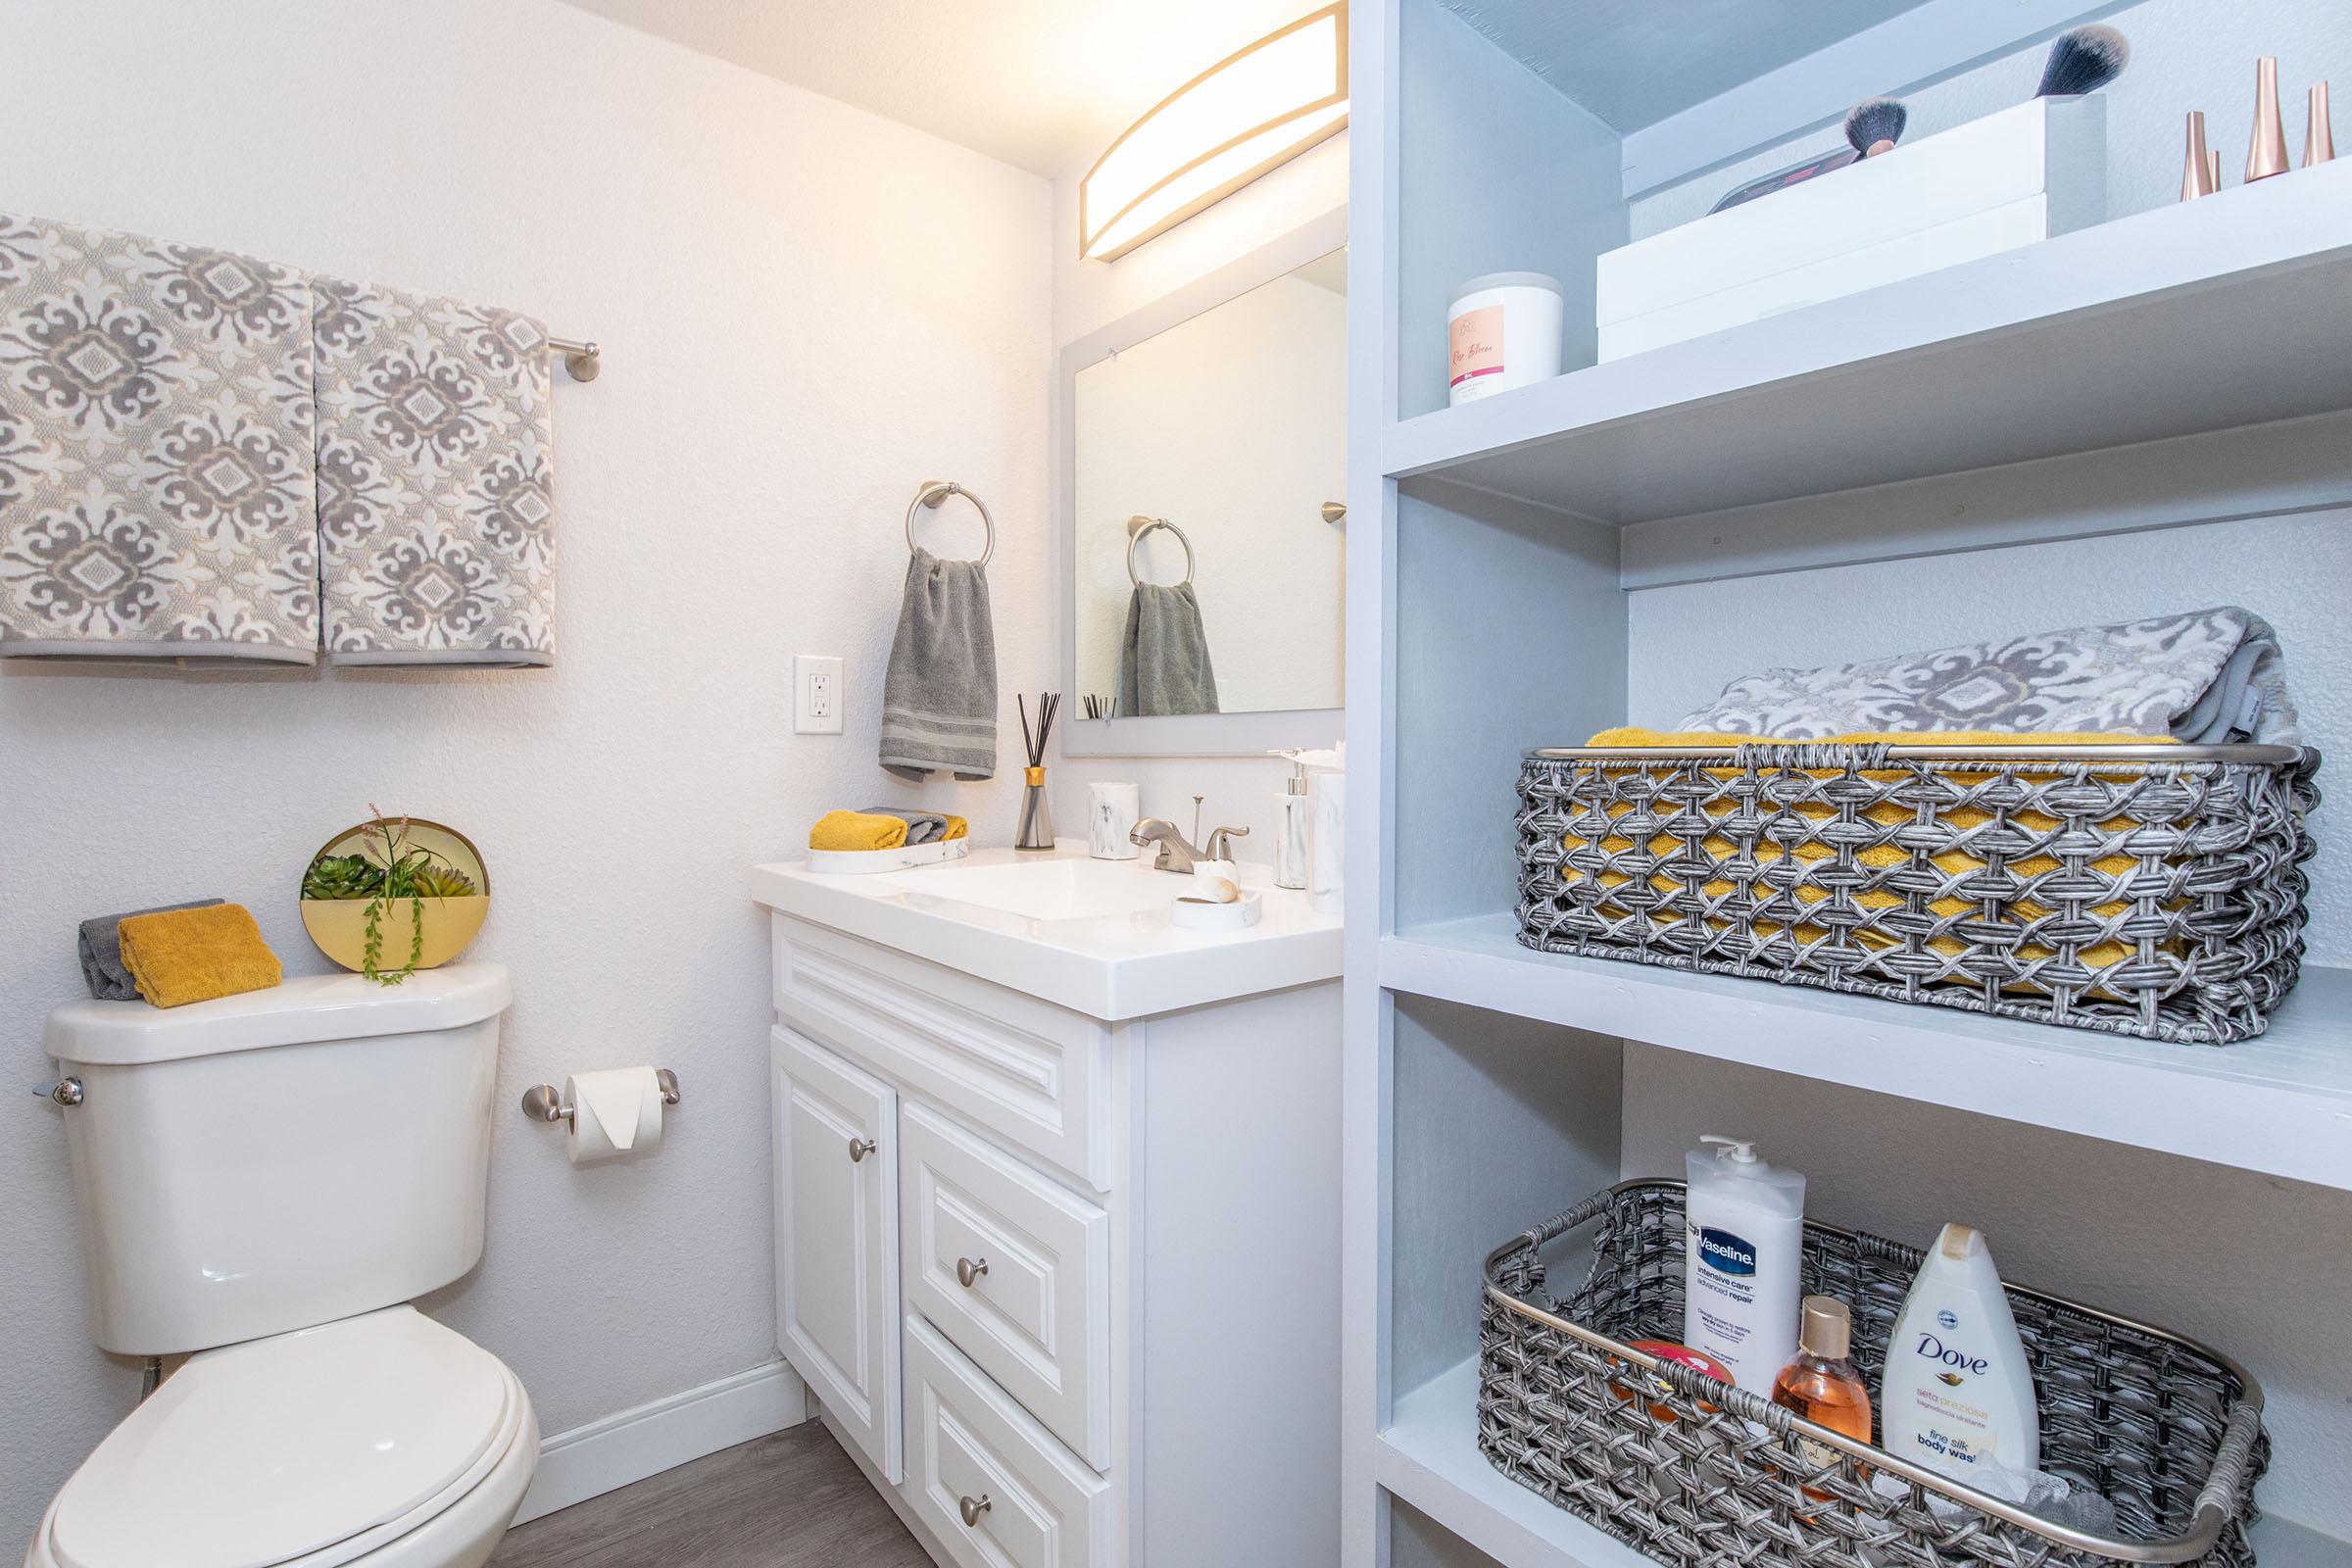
1095,942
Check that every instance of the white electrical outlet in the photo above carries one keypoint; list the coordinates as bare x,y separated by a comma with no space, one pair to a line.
816,697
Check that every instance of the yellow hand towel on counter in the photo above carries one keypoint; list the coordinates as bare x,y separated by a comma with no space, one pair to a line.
957,827
1885,857
856,830
177,956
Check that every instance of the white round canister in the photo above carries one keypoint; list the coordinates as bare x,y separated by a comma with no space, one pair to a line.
1504,331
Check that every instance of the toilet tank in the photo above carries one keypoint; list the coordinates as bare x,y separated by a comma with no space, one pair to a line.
279,1159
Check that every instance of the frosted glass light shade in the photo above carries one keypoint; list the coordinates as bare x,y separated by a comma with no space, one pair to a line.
1247,113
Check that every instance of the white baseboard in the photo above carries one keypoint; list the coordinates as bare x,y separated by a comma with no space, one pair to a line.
631,1445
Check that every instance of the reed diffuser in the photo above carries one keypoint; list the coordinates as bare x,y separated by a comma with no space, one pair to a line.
1037,814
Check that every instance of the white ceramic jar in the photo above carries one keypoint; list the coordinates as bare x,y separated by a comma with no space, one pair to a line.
1504,330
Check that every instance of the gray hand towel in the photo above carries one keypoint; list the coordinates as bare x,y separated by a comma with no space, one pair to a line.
436,480
2204,678
922,827
156,473
101,945
1163,658
939,695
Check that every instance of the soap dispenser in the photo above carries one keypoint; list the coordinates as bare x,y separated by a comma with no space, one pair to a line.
1290,826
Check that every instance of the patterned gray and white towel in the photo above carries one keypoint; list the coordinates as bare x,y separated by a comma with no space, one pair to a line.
2203,678
156,471
436,480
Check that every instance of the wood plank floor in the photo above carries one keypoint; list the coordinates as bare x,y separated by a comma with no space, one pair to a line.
791,1501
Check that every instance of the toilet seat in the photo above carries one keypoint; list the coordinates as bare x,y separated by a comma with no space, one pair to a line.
310,1450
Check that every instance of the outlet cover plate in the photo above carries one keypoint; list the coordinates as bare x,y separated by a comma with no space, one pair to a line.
816,695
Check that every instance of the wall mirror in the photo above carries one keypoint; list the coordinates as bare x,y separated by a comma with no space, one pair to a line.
1203,528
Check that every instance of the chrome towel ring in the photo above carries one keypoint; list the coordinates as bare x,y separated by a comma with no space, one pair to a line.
936,491
1137,527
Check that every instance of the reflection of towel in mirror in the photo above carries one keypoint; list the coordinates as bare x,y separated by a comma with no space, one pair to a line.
1163,658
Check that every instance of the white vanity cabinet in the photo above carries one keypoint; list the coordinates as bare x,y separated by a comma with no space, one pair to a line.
1065,1286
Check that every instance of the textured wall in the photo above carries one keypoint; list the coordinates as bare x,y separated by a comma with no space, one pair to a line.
804,311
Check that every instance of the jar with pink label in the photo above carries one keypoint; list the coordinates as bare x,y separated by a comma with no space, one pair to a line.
1504,331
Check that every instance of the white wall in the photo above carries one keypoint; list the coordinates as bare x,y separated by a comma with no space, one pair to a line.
804,311
1234,427
1089,296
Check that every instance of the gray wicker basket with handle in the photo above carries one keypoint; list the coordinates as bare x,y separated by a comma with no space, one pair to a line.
2154,891
1700,1474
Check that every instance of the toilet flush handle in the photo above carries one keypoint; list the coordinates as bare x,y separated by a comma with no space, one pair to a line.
66,1092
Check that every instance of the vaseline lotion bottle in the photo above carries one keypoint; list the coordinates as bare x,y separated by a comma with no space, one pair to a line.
1742,1280
1957,1389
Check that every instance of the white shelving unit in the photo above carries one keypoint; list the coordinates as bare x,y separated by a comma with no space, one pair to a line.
1542,564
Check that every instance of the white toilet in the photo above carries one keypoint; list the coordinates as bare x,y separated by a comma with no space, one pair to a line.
269,1178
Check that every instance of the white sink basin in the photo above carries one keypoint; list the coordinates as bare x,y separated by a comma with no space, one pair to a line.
1095,936
1045,887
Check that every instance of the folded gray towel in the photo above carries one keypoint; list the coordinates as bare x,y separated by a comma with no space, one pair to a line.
2204,678
101,945
921,826
939,695
1163,658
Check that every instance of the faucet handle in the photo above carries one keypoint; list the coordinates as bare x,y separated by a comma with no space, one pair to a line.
1220,842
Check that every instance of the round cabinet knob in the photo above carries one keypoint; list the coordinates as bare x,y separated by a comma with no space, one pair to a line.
972,1508
967,1270
860,1147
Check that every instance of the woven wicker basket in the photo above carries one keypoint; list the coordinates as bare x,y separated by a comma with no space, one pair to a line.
2146,890
1700,1474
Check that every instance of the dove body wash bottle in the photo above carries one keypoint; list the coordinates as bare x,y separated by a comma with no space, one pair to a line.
1957,1389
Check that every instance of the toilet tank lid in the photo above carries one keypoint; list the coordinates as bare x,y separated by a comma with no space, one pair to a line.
303,1009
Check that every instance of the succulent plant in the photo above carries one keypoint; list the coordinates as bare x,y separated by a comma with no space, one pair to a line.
342,876
431,881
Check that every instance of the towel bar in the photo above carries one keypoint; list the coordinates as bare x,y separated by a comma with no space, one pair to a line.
582,359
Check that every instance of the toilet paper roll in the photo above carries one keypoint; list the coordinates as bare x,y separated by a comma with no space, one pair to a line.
614,1113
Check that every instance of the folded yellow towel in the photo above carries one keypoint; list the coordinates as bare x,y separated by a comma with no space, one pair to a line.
1884,856
957,827
177,956
856,830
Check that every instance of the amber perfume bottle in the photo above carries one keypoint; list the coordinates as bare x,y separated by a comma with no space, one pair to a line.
1821,1384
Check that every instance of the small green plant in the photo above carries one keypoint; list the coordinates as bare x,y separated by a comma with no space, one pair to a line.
388,869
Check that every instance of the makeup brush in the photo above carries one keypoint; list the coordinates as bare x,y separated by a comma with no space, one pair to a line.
1875,125
2084,60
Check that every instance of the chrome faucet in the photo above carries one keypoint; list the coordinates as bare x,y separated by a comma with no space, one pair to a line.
1176,852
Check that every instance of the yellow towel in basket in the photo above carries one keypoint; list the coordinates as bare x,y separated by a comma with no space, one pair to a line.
1955,862
177,956
957,827
857,830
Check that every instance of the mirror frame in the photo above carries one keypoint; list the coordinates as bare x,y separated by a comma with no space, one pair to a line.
1173,734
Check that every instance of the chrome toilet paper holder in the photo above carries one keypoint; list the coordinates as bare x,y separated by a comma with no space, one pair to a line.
545,1101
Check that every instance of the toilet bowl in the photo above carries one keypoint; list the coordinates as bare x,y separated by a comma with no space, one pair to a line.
385,1440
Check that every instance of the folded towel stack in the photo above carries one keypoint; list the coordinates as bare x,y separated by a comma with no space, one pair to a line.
881,827
100,942
181,955
2203,678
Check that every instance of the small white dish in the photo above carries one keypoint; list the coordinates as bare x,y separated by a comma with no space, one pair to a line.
866,862
1198,915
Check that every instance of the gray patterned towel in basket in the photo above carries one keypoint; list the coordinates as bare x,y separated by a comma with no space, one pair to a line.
2204,678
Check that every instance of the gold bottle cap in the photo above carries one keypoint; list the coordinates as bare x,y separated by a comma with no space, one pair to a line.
1827,1330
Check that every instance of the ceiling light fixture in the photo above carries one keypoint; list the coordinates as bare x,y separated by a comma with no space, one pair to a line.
1244,115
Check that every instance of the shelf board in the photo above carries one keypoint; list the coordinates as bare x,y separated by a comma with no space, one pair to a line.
2205,316
1429,1456
2280,1103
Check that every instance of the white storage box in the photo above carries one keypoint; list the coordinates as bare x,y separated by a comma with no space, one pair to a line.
1994,184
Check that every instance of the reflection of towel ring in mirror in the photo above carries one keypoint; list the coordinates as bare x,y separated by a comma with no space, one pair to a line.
936,491
1137,527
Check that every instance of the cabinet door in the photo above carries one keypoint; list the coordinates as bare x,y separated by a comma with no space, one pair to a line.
837,1240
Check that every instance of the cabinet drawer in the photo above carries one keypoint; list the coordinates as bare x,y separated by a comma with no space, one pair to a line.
1031,1073
1036,1313
972,1453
